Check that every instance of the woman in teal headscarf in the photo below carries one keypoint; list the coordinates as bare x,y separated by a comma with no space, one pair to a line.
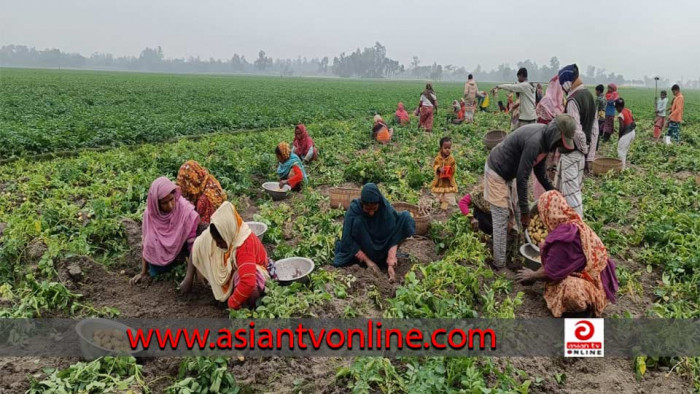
290,169
372,231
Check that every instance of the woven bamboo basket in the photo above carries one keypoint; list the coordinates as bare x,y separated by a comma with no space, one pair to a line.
604,164
422,220
341,197
493,138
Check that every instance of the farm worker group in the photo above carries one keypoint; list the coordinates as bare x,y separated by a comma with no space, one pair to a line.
192,221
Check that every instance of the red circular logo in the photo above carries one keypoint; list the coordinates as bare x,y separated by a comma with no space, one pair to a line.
585,332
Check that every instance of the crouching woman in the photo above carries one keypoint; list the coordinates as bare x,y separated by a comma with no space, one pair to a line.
579,275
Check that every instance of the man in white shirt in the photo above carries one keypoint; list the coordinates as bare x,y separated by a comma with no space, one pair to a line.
527,97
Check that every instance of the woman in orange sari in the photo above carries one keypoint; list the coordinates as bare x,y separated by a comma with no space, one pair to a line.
201,189
579,275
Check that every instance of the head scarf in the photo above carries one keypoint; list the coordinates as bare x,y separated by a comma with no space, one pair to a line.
612,96
567,77
552,104
373,235
194,182
289,160
164,234
304,143
215,264
401,113
555,211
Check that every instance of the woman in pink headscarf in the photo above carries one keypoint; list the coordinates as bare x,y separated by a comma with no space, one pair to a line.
303,145
551,105
401,116
168,230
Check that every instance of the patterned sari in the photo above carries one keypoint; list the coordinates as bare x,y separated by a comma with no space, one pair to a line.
577,290
201,189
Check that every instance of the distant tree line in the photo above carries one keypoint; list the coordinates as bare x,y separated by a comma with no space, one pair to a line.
371,62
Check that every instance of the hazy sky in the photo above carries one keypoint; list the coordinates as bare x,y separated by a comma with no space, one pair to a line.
629,37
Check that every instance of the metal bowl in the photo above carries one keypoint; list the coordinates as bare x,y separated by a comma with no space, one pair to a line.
86,330
533,210
259,228
532,256
293,269
273,189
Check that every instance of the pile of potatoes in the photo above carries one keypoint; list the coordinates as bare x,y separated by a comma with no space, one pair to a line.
537,230
114,340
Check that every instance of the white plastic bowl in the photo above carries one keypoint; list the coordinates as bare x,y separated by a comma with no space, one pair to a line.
293,269
273,189
258,228
86,330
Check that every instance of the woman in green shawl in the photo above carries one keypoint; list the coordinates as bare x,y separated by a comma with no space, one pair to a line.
372,231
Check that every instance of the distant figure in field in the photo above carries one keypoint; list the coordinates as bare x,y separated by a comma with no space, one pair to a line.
401,116
428,108
514,111
609,124
457,112
380,131
482,99
470,91
539,93
601,103
527,97
660,119
626,130
303,144
676,117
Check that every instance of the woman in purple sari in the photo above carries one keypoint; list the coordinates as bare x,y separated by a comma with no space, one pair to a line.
579,275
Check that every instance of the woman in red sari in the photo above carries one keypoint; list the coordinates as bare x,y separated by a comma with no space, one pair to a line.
303,144
401,116
428,107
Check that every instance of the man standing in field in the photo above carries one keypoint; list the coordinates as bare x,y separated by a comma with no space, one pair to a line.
507,172
582,108
676,116
470,90
527,97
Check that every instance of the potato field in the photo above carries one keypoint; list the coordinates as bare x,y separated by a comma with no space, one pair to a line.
79,150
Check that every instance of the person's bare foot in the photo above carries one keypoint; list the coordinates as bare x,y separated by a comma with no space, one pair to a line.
185,285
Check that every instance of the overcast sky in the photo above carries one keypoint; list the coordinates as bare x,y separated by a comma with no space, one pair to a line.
629,37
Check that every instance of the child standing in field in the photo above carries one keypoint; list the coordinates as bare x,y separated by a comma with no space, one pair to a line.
444,186
660,115
627,130
676,117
